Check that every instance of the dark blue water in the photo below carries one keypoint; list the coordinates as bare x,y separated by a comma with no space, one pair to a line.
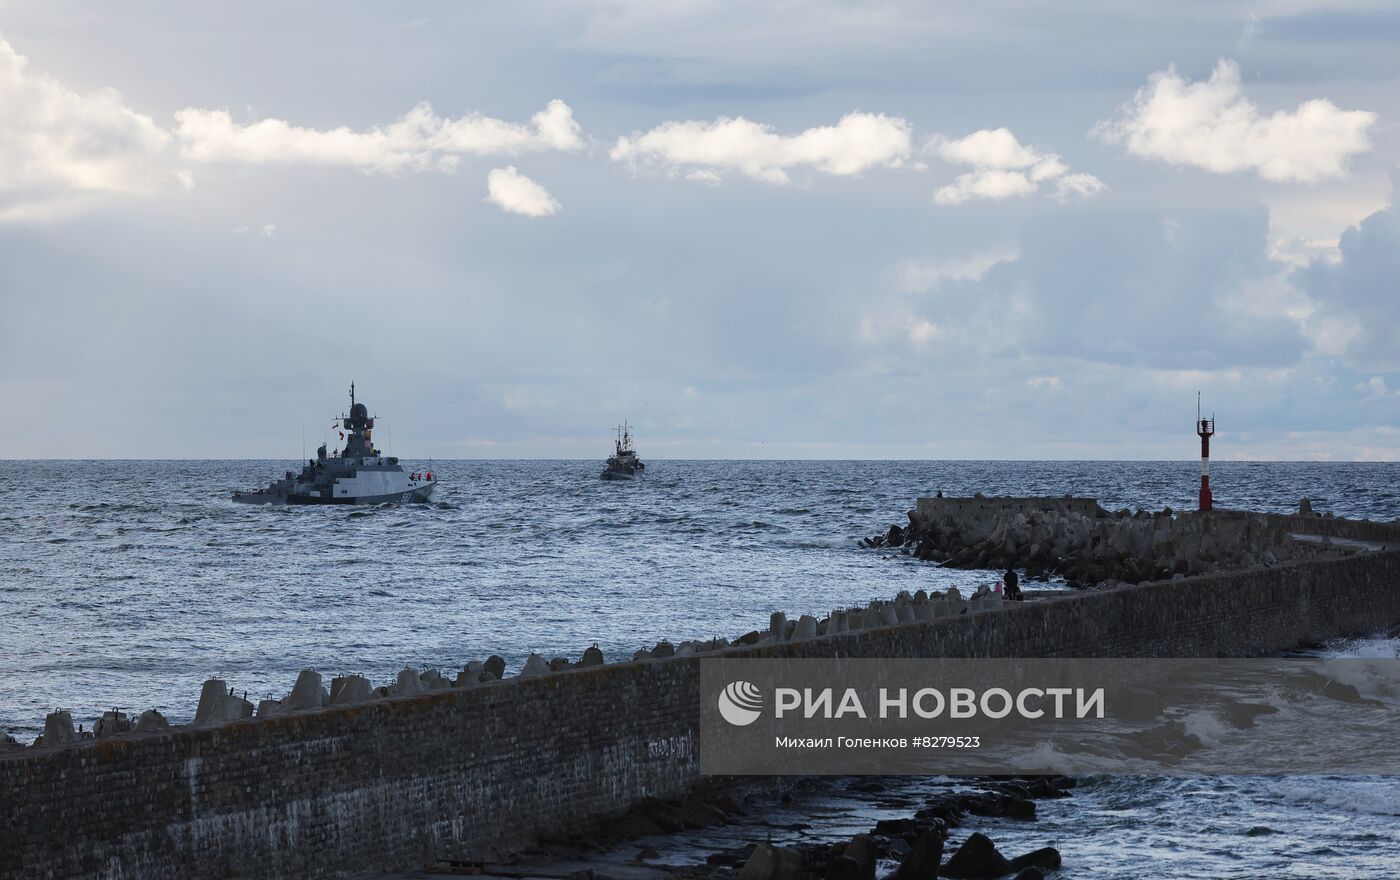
126,584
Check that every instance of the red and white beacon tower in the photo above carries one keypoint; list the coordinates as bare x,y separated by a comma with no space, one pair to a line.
1204,429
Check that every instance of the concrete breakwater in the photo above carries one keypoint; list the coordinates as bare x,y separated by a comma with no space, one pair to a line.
1076,539
386,782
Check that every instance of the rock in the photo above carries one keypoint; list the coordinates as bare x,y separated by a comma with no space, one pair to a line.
407,684
592,656
921,862
1044,788
749,638
307,693
777,624
977,857
269,708
433,680
896,827
350,689
218,706
944,811
495,665
1046,858
843,868
663,649
861,850
112,723
151,721
768,862
557,664
806,627
870,787
1010,806
58,728
534,665
1305,508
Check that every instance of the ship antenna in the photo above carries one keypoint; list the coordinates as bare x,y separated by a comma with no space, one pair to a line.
352,395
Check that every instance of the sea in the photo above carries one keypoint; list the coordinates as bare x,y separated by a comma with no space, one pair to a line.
126,584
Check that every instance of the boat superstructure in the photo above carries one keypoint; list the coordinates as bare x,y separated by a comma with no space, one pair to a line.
623,464
358,473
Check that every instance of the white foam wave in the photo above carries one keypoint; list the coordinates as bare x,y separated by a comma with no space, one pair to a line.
1374,796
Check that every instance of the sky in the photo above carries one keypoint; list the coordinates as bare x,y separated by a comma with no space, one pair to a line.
797,229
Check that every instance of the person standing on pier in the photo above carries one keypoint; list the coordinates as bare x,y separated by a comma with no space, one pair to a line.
1013,585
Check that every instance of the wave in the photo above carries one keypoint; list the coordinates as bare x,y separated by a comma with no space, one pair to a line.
1371,795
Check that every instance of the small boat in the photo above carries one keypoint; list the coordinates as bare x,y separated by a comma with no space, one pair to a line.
623,464
355,474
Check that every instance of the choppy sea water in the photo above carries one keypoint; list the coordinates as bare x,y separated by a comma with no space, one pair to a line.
126,584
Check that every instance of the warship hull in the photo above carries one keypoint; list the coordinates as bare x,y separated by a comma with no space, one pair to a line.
419,495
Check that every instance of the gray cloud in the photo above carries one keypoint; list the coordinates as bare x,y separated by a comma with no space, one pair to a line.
842,315
1362,291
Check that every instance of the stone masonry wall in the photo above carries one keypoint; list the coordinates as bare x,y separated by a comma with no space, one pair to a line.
391,783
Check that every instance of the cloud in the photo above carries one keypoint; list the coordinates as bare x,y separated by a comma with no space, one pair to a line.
1376,387
1211,125
57,145
515,193
1005,168
921,332
921,277
1356,309
417,141
703,150
1114,288
59,148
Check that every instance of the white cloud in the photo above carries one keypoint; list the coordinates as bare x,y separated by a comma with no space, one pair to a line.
1375,387
1211,125
922,332
58,148
57,144
857,142
1003,168
417,141
515,193
921,277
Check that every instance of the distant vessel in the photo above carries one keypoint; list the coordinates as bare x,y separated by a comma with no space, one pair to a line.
623,464
356,474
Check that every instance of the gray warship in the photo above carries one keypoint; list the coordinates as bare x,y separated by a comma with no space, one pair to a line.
355,474
623,464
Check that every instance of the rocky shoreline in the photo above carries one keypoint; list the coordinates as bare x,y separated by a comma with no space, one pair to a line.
1084,544
934,838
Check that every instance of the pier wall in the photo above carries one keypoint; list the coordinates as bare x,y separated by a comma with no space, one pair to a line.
388,784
